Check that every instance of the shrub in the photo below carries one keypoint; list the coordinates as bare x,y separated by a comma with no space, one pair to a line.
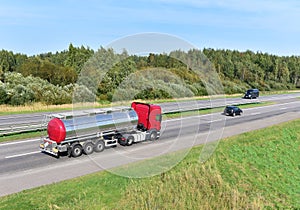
21,95
3,95
21,90
83,94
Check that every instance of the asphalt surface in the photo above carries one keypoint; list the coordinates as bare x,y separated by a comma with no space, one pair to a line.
23,166
39,118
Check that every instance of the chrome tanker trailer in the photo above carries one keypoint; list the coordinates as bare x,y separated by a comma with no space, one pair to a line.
93,131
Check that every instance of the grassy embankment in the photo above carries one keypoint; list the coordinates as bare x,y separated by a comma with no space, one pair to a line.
255,170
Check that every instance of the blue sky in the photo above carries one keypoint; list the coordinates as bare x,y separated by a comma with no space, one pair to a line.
38,26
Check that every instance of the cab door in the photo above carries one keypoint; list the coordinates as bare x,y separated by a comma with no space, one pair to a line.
155,118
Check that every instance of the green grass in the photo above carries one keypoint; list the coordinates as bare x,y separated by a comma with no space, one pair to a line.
21,136
89,192
276,92
254,170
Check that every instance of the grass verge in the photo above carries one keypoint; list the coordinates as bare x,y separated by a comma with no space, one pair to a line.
255,170
22,136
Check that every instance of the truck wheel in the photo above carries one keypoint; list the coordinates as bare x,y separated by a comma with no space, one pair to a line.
88,148
76,150
122,142
130,140
99,146
153,135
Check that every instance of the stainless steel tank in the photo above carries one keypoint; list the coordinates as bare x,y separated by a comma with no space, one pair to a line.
60,129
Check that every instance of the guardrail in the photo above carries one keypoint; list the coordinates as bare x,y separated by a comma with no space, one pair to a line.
21,124
41,124
20,128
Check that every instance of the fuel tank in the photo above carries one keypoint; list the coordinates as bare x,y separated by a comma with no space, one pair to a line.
60,129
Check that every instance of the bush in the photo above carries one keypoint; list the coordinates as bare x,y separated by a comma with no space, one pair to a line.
82,94
3,95
19,90
21,95
277,86
231,87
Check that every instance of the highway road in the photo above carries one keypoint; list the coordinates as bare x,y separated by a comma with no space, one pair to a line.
23,166
17,122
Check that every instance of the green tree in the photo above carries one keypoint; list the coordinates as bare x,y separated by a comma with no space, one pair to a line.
57,75
77,56
283,73
7,61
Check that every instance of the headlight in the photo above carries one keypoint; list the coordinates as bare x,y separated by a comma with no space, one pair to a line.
55,150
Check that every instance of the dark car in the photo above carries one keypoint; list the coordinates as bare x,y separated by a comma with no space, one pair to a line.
232,110
252,93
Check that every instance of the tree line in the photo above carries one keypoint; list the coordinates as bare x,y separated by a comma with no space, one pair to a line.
52,78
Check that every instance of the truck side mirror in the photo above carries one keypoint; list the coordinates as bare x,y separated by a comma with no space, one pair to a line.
158,117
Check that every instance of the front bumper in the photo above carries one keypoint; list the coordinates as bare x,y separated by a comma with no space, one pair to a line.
49,146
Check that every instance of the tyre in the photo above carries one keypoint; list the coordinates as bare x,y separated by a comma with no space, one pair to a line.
76,150
122,142
130,140
99,146
153,135
88,148
233,114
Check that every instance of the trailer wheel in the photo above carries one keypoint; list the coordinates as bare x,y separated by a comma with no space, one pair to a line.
130,140
153,135
99,146
76,150
88,148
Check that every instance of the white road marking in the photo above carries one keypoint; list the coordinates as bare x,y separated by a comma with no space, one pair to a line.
283,108
20,155
19,142
255,113
274,105
218,120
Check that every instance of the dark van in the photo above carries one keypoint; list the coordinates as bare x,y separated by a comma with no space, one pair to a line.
252,93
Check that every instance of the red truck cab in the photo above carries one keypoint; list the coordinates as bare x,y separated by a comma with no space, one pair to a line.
149,115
